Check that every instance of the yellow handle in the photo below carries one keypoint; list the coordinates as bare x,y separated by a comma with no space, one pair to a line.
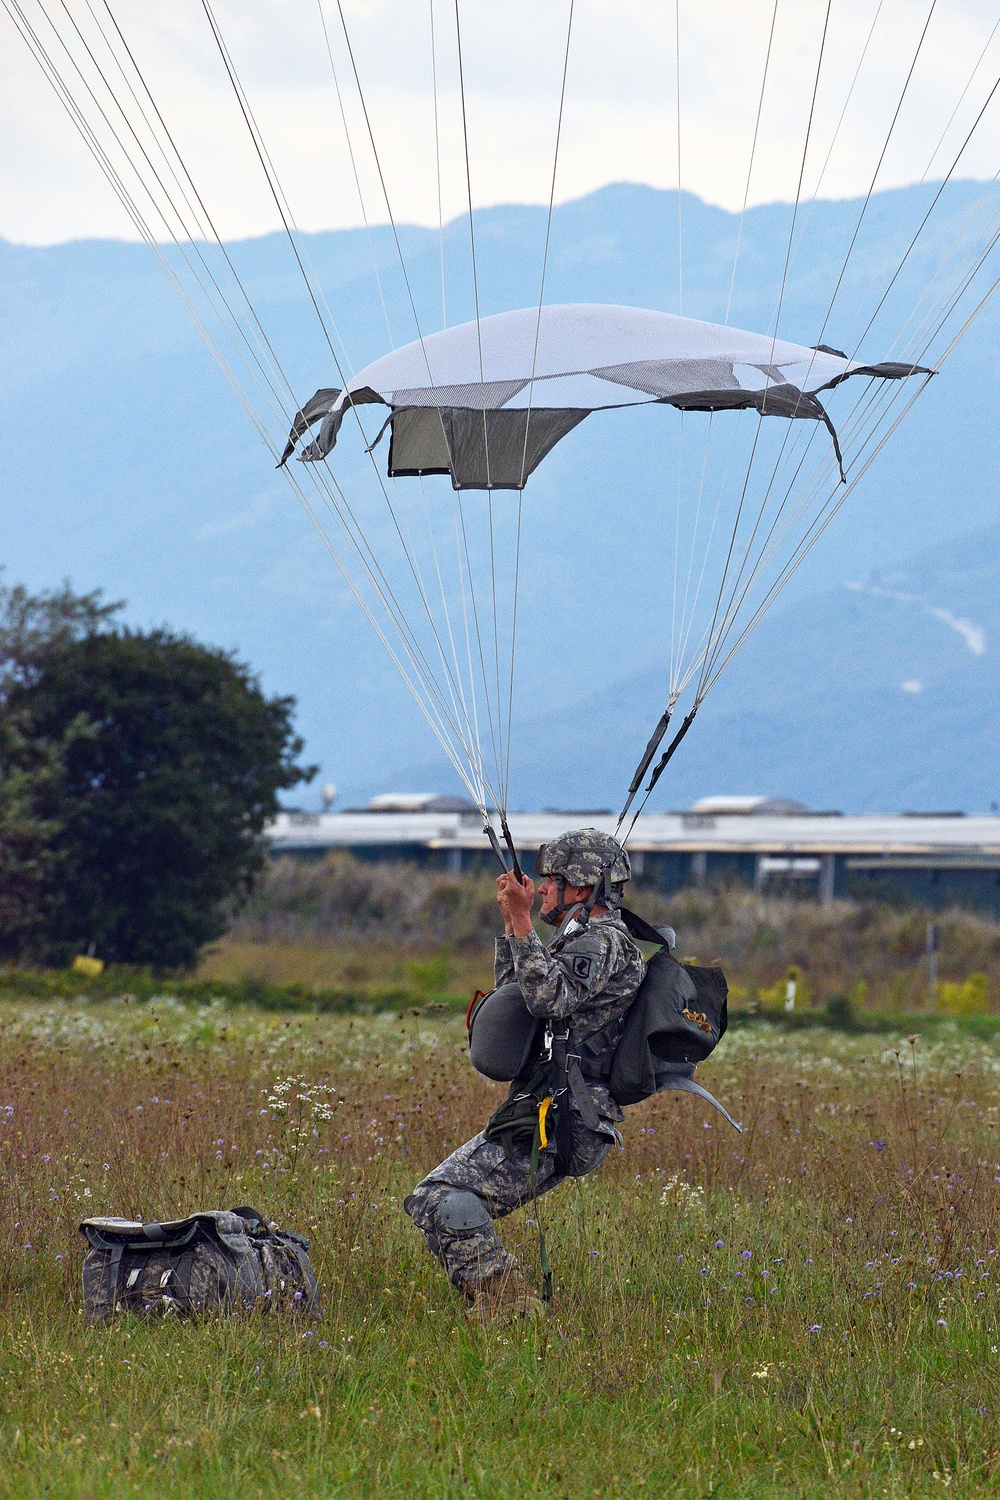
543,1110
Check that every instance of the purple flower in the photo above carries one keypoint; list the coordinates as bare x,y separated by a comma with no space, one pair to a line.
815,1327
746,1254
323,1344
912,1286
719,1244
703,1271
941,1323
297,1297
809,1260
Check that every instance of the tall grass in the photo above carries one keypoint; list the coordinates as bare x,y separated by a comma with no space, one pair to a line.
343,923
808,1309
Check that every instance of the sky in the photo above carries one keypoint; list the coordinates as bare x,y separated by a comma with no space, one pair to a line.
629,63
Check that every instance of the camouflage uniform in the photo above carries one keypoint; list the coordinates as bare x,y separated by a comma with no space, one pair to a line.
589,979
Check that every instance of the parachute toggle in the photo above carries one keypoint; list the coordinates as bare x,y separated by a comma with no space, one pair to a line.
485,402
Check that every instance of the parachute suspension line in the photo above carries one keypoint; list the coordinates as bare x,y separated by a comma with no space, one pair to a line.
498,731
961,100
382,183
843,113
282,208
259,337
701,668
680,216
72,107
700,688
766,552
494,736
840,495
513,645
887,400
269,174
548,234
458,515
687,616
437,163
527,419
833,504
474,754
472,238
909,249
753,153
676,549
878,167
874,396
45,62
802,173
354,170
472,735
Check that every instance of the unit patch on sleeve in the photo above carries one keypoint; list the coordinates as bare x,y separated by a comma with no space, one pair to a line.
581,966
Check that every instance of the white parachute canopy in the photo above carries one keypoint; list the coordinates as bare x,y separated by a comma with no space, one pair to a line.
486,401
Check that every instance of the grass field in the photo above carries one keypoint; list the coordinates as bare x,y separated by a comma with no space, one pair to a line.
807,1310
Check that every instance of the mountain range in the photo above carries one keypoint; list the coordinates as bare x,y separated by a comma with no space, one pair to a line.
130,466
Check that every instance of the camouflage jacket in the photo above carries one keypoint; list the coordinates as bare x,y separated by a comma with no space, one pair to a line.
589,979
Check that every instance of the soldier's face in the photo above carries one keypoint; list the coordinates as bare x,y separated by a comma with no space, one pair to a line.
549,892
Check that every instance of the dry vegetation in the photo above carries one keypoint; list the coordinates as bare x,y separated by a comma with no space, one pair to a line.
344,924
809,1309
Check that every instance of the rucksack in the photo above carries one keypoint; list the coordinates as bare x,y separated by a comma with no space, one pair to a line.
230,1261
677,1018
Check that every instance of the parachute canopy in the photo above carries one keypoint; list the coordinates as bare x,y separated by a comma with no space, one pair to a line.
486,401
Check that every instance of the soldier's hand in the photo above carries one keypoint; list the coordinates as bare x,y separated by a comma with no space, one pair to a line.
519,896
504,904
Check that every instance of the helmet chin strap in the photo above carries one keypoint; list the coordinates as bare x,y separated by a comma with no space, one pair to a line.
600,895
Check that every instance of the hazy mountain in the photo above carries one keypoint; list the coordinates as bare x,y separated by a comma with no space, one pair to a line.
129,465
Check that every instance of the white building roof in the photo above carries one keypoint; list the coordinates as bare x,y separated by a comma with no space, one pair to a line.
802,834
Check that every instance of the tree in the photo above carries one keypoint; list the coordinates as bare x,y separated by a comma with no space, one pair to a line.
31,629
157,762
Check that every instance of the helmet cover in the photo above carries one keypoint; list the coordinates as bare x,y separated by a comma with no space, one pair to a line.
582,857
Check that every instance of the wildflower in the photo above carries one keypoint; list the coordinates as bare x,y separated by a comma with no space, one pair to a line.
719,1244
941,1323
324,1344
815,1327
746,1254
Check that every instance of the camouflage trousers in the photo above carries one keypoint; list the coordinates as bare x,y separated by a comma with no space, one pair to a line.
491,1182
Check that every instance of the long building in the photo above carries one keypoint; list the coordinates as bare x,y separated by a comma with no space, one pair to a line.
935,860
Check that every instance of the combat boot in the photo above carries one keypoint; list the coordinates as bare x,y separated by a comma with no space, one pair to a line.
506,1296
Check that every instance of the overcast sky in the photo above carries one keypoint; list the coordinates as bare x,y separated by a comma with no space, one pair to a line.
620,115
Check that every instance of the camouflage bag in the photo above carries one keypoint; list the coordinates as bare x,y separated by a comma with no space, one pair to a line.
223,1261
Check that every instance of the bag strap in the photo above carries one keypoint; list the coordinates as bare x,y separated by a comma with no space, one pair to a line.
641,929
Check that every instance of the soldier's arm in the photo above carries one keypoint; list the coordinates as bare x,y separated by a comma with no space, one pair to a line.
555,985
503,963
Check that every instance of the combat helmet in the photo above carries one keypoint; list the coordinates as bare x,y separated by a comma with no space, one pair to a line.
585,857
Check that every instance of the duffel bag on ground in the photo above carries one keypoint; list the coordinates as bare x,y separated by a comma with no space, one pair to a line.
229,1261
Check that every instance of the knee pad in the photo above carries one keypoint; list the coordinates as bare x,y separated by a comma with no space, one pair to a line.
462,1212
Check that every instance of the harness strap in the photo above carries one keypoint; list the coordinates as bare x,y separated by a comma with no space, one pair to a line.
578,1089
